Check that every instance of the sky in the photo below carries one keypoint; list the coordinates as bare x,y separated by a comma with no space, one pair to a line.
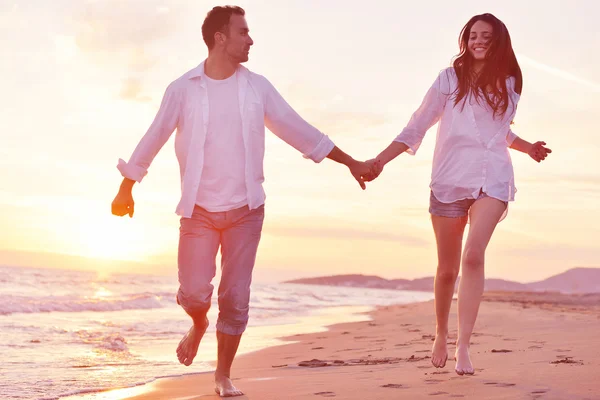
82,81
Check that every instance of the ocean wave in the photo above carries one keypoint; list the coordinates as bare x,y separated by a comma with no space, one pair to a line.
10,304
103,341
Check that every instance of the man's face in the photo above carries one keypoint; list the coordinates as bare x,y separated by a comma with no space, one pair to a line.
238,41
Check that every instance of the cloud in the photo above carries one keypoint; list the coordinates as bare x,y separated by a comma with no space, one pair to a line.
132,90
116,32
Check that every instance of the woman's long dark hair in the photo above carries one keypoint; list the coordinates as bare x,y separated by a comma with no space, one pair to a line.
500,63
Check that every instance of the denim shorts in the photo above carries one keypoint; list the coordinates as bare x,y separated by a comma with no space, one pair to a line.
456,209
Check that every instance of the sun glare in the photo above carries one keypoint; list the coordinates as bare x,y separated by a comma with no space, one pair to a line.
112,238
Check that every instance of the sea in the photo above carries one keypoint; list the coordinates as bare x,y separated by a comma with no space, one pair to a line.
67,332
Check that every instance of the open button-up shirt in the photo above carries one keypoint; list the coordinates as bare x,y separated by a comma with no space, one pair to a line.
471,151
185,107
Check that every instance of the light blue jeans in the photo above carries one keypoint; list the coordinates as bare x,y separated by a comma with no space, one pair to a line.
238,233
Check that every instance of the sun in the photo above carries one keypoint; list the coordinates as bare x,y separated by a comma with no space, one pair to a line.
112,238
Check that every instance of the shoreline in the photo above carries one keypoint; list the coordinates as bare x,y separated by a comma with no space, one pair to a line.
309,324
525,345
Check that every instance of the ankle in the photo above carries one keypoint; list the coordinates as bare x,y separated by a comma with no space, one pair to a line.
441,333
222,375
200,323
462,345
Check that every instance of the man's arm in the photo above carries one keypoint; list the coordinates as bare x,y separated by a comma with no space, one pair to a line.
157,135
285,123
359,170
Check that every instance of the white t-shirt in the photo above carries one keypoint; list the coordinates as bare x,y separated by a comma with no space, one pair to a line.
223,183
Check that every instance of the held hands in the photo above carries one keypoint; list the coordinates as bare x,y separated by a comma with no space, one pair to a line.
538,151
376,167
365,171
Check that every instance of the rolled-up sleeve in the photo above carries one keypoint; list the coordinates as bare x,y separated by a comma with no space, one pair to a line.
427,114
285,123
510,137
157,135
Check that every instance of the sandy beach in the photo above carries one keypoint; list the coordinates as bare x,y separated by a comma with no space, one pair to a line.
525,346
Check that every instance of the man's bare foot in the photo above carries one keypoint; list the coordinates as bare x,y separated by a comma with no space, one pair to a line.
224,387
188,346
463,361
439,352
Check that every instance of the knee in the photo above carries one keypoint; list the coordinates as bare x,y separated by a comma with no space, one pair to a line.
473,258
235,301
446,274
234,305
196,302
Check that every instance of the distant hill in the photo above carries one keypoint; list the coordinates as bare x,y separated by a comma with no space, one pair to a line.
575,280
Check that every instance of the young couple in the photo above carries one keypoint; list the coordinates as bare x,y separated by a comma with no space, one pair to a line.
220,109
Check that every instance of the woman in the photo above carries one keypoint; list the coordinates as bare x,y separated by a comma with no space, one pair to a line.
472,176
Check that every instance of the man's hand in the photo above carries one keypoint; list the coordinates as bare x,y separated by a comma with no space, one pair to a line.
538,151
123,202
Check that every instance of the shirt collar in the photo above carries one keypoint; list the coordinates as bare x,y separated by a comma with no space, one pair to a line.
198,72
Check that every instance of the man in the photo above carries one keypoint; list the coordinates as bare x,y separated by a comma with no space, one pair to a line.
220,109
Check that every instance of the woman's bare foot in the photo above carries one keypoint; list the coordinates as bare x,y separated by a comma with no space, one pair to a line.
463,361
439,352
224,387
188,346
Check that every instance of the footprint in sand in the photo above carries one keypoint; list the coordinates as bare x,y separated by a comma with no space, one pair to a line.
499,384
434,381
413,358
440,373
317,348
314,363
536,394
567,360
325,394
394,386
438,393
501,351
